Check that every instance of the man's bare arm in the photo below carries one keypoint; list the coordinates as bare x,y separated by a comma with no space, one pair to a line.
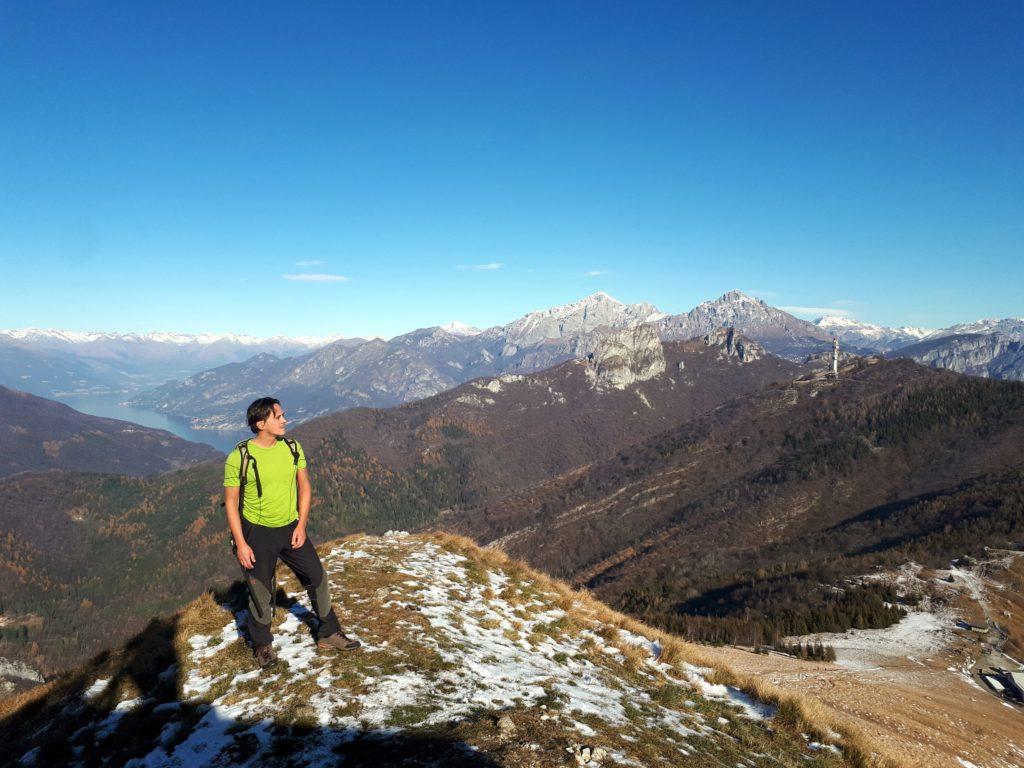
305,496
243,550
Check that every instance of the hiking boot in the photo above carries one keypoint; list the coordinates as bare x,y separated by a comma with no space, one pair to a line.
339,641
265,655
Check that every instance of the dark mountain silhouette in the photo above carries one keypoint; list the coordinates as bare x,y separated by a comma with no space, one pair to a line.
38,434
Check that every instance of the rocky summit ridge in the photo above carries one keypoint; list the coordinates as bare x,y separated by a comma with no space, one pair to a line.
469,658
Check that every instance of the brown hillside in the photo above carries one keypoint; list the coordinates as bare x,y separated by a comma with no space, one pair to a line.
38,434
513,431
804,482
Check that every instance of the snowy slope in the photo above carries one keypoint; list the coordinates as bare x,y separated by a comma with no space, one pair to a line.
469,658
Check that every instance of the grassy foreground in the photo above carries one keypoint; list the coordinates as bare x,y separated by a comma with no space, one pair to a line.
470,658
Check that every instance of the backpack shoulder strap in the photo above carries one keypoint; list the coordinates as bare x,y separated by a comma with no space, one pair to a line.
243,449
293,446
243,472
243,464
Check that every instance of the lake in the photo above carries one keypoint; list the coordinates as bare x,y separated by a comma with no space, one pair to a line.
113,407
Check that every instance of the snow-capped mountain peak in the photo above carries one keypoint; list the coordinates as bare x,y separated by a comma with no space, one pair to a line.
456,328
58,336
564,310
838,321
864,335
735,297
915,331
579,317
1012,327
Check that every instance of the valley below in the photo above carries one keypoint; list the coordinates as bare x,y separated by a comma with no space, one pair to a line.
917,686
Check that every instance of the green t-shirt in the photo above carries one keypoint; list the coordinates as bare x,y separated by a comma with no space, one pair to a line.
279,503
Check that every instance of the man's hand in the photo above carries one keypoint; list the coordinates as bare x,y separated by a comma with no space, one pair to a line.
245,555
298,536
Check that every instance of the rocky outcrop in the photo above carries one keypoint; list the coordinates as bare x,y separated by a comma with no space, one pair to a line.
626,357
734,345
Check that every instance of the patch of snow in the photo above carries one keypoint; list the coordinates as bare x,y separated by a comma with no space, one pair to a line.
919,633
95,689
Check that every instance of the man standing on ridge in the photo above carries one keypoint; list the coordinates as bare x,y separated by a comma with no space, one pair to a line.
268,474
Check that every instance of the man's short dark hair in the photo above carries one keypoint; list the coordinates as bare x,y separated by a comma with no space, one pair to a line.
260,410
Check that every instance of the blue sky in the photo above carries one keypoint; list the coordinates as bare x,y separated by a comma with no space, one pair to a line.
166,166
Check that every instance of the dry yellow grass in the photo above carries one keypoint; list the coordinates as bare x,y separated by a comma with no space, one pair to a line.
12,704
927,714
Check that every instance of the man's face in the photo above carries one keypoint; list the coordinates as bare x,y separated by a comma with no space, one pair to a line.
275,423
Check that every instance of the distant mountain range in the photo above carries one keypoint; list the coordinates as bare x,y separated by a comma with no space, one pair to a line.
382,373
425,362
990,355
52,363
875,338
878,338
210,379
39,434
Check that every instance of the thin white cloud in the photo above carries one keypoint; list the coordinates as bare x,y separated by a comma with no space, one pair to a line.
595,273
312,263
816,311
315,278
481,267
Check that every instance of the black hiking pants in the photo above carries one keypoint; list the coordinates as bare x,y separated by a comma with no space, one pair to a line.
269,544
